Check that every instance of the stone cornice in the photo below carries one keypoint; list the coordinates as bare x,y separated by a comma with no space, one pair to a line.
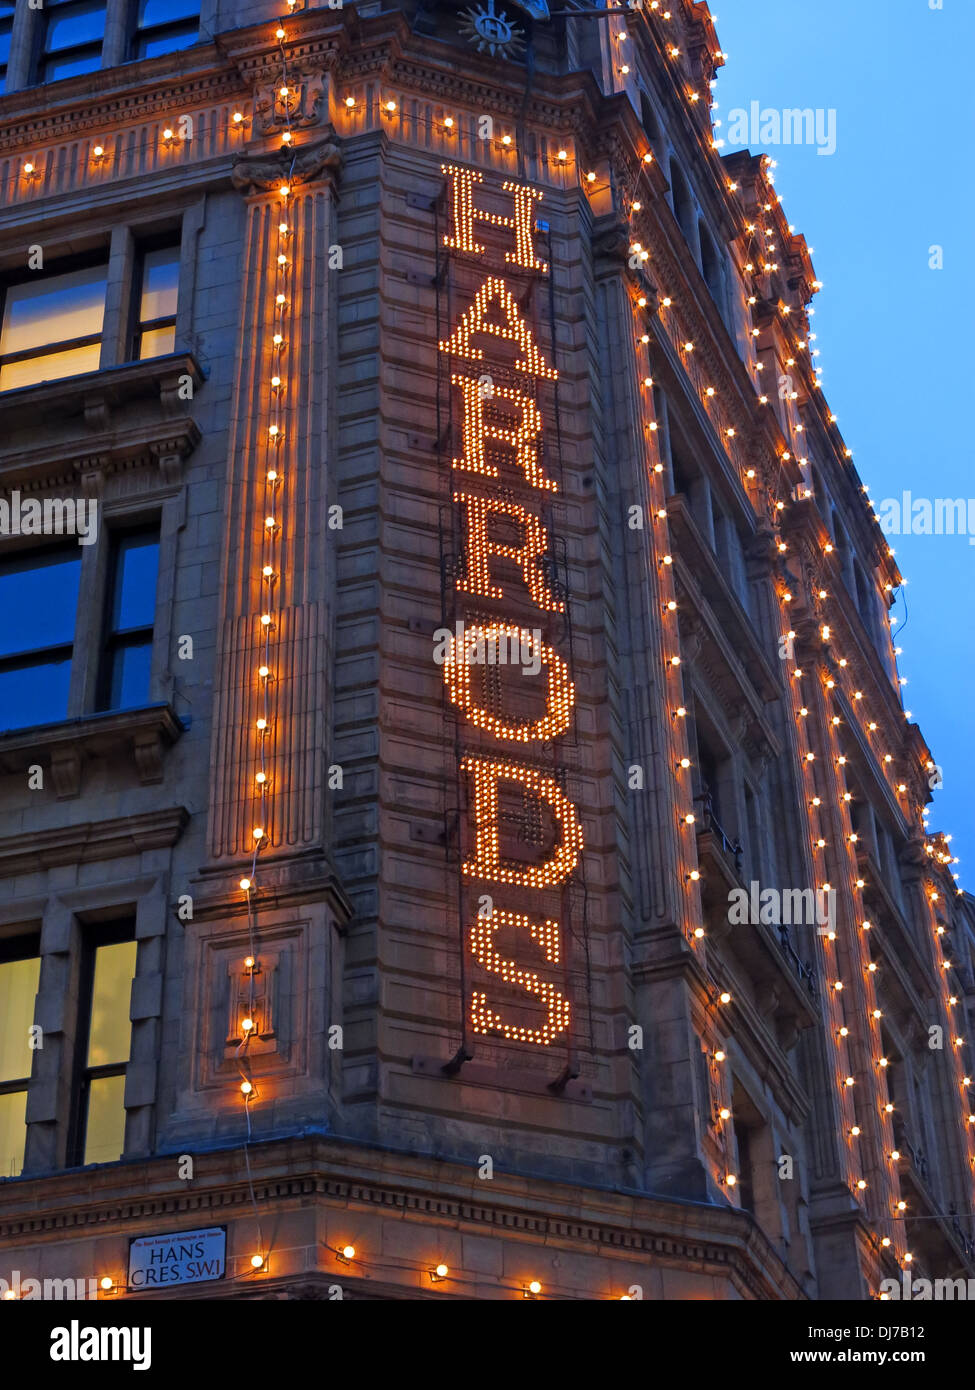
91,840
341,1172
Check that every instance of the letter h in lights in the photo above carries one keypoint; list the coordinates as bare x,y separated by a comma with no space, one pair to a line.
463,215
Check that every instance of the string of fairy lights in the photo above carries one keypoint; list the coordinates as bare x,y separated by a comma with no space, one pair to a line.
763,244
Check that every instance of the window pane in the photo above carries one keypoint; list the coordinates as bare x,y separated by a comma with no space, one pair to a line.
53,366
82,21
4,41
157,342
131,668
36,694
105,1131
164,11
18,987
13,1132
110,1033
55,309
168,41
160,281
71,65
134,603
39,601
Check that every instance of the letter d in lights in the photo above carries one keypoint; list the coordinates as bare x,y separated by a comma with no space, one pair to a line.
487,775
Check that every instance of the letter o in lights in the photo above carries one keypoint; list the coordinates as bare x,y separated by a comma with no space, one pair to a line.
498,637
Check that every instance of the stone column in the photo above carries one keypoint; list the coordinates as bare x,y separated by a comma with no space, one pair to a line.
297,731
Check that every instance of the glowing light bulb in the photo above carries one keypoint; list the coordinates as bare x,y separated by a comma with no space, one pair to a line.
562,155
246,1088
260,778
263,671
348,1251
245,884
238,117
257,1261
441,1271
350,102
258,833
390,106
106,1282
249,962
534,1287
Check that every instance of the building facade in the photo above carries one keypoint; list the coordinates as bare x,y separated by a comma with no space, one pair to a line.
459,829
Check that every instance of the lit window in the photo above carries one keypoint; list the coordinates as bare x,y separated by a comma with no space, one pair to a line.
156,324
107,975
131,612
162,26
72,38
52,326
20,970
38,600
6,28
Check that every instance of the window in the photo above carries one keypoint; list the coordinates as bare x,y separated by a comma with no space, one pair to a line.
6,29
52,326
131,613
39,601
155,333
162,26
20,972
105,1035
72,38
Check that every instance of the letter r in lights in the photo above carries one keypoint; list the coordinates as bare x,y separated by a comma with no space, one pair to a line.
522,437
488,774
528,556
463,215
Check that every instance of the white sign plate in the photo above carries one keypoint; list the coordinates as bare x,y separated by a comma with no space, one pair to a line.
184,1257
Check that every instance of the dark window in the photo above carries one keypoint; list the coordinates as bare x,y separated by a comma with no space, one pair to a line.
39,601
6,28
162,26
104,1040
130,616
72,38
20,970
155,331
52,326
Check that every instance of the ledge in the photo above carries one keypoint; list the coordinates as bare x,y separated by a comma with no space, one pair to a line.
91,840
144,734
82,414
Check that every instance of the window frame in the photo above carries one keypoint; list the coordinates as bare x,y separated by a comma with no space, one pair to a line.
24,946
67,265
93,936
136,33
40,656
42,56
115,640
5,21
162,241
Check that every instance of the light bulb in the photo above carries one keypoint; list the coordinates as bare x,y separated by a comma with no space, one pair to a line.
257,1261
106,1282
246,1087
245,884
247,1024
349,1252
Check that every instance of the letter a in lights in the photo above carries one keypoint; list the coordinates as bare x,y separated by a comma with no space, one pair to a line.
522,437
487,776
511,329
483,1017
561,692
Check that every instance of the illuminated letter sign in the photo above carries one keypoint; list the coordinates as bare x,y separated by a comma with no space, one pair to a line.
503,537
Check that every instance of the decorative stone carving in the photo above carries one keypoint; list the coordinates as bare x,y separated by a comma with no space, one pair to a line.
252,174
301,107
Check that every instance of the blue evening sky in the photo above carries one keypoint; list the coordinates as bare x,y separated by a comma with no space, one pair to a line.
894,334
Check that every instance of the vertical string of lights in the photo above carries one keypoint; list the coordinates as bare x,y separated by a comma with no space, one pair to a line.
259,786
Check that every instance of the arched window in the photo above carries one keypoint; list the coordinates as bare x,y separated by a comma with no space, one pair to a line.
712,268
684,209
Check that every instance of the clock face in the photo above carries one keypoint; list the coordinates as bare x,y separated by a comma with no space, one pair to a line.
492,31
